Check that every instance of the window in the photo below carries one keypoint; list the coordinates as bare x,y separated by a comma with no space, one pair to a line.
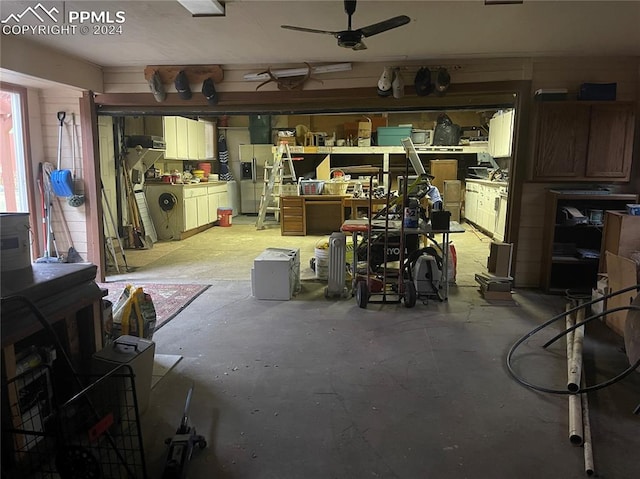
14,194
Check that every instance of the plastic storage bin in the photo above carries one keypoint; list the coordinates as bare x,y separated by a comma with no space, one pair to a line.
392,135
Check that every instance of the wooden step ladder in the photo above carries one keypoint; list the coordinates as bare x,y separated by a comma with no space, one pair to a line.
273,178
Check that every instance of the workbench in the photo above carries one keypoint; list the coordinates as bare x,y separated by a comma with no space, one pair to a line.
70,300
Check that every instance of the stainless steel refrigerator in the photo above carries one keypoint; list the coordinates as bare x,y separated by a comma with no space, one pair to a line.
252,162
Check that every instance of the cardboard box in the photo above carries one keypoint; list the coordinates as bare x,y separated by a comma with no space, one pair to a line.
496,295
499,261
451,191
454,208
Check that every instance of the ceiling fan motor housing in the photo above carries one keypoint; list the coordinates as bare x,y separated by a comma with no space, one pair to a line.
349,39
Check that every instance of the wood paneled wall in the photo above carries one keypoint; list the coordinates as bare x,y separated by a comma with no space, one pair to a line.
68,223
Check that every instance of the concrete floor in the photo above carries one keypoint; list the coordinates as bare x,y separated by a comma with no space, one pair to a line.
320,388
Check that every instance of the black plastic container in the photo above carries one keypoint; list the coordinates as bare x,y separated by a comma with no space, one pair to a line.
440,220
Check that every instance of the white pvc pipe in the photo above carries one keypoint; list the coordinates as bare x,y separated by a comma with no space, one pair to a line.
587,445
575,366
575,412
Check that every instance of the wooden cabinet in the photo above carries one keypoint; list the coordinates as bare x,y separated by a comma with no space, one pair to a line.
443,170
311,214
571,249
584,141
292,218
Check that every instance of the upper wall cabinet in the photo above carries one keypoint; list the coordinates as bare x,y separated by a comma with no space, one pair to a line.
584,141
184,139
501,134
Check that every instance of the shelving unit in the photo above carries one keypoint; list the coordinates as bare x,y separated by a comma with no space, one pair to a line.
571,253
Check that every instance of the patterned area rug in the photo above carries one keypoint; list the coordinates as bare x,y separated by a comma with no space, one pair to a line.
168,299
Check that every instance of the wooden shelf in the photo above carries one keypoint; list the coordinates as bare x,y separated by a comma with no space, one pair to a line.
561,272
572,260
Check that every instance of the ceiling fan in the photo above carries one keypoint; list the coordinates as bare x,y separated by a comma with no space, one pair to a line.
353,38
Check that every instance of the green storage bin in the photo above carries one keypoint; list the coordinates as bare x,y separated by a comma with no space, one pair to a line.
392,135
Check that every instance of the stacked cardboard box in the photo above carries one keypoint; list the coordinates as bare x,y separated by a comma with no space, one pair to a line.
452,198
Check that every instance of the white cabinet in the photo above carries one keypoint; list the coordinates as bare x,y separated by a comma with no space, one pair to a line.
184,138
196,206
501,133
190,206
195,140
214,203
217,196
471,202
170,137
486,205
501,218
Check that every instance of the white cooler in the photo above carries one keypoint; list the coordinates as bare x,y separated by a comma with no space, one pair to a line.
137,353
276,274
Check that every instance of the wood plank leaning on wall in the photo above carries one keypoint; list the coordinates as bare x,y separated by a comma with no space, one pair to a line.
91,167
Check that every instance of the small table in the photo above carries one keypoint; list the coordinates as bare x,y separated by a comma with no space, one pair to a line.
361,226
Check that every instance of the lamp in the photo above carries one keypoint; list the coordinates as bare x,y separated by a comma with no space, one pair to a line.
294,72
203,8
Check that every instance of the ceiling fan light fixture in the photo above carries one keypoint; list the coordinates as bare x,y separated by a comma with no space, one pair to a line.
203,8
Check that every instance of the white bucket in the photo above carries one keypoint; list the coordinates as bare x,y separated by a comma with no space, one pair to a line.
14,241
322,263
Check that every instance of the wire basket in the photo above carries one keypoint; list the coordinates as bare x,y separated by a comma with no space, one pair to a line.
335,188
97,431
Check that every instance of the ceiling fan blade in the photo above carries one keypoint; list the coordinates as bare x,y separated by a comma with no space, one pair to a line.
360,46
380,27
309,30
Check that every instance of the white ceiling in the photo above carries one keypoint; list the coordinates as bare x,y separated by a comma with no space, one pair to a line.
162,32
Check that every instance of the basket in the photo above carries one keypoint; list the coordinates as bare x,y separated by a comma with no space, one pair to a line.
311,187
335,187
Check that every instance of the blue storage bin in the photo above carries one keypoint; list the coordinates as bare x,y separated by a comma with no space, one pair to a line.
392,135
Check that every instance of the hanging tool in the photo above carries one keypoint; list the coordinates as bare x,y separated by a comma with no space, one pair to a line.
61,179
115,230
47,205
134,212
181,445
74,200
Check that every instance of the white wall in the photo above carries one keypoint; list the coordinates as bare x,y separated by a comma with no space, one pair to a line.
37,61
